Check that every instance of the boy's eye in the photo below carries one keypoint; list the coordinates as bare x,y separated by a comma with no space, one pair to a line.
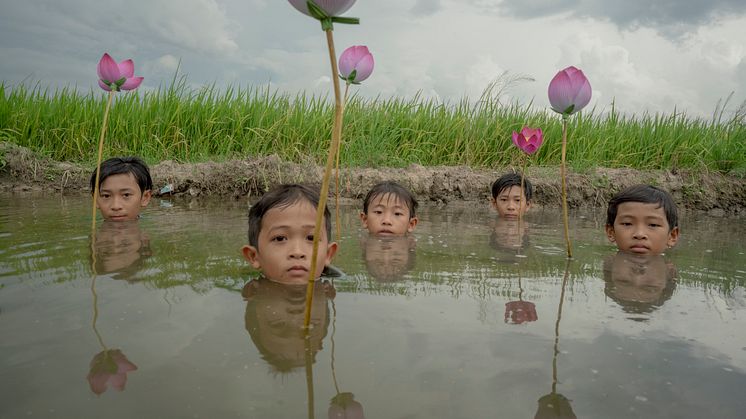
379,212
278,238
654,225
309,237
398,213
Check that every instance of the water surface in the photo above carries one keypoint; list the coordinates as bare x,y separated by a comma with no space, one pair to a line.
468,318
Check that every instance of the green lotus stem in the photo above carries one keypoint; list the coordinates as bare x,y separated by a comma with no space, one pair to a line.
323,195
563,170
523,194
336,173
100,155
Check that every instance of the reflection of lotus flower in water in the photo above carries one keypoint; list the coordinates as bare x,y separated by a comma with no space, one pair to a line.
554,406
520,312
109,367
344,406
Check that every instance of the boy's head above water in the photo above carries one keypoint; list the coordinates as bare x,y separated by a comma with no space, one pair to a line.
389,210
125,188
281,227
507,198
642,219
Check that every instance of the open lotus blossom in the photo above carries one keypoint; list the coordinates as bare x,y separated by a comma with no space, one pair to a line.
518,312
355,64
528,140
330,7
116,77
109,367
569,91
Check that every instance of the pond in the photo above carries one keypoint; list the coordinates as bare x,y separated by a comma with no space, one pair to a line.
468,318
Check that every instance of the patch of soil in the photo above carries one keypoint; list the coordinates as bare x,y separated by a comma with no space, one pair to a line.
22,170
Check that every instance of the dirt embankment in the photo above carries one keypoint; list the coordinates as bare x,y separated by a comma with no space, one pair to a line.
21,171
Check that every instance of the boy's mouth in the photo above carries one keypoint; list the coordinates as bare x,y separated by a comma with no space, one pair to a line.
298,269
639,248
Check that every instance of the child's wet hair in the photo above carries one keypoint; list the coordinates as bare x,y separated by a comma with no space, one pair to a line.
509,180
394,190
283,196
124,165
646,194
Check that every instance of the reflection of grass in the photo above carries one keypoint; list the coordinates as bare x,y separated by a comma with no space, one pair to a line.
177,122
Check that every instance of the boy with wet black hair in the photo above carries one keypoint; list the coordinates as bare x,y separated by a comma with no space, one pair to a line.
642,219
389,209
508,199
125,188
281,228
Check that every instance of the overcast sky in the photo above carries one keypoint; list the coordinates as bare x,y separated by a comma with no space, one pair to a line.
649,55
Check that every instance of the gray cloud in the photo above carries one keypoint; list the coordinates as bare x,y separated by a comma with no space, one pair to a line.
426,7
670,18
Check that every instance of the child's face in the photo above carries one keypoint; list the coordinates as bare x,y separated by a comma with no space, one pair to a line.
388,216
285,245
120,198
642,228
510,202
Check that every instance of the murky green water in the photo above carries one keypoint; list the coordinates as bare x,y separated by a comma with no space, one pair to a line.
417,328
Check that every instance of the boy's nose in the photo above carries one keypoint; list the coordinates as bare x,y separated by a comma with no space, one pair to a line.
639,234
297,252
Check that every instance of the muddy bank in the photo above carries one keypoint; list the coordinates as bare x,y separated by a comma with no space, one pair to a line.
23,171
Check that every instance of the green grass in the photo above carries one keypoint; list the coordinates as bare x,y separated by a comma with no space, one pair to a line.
184,124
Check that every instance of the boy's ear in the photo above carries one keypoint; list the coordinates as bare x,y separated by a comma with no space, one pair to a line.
331,250
493,203
364,219
412,224
673,237
610,233
145,199
251,254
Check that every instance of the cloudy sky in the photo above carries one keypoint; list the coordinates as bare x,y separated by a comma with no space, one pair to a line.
647,55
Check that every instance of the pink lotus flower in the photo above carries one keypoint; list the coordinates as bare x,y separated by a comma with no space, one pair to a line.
529,139
109,367
520,312
569,91
330,7
355,64
116,77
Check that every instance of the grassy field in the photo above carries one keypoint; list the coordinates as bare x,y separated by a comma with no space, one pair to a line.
182,124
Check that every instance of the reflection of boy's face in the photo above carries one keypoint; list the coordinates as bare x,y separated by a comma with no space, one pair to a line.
285,244
388,258
642,228
120,198
638,278
510,202
118,245
388,216
275,315
509,234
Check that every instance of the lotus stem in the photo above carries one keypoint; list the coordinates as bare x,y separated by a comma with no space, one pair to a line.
563,170
100,155
323,195
336,173
523,194
334,330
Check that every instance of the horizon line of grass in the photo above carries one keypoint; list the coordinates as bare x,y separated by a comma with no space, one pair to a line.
179,123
